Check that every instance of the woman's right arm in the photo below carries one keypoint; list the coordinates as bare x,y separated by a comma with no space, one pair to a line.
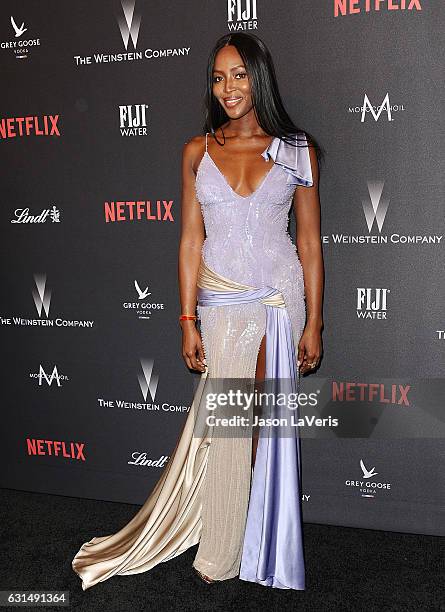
189,256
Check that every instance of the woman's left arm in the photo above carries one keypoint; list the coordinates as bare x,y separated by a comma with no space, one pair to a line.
307,215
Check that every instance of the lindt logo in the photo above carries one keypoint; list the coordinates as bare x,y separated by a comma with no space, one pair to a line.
22,216
143,460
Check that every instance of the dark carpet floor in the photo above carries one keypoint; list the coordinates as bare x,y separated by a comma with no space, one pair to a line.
346,569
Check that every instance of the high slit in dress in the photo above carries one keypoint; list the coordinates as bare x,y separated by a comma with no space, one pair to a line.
250,284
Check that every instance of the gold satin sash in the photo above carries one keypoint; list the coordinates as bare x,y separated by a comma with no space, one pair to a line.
209,279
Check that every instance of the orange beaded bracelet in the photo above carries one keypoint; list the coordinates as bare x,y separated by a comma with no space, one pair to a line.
185,317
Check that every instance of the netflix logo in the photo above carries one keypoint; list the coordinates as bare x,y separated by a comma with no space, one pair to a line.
11,127
396,395
56,448
138,210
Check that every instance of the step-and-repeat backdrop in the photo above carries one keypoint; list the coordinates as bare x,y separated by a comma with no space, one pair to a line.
98,99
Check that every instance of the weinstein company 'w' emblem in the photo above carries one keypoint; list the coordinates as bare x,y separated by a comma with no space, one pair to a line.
147,380
41,295
130,23
376,206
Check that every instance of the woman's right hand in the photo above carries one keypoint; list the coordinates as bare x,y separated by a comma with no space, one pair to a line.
192,348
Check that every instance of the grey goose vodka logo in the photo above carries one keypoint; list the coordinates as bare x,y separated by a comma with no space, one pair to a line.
375,208
142,293
148,380
19,45
142,304
41,294
129,26
18,30
242,15
368,485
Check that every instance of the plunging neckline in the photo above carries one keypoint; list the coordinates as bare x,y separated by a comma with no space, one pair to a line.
263,180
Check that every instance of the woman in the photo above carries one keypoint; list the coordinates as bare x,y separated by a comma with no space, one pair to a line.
238,187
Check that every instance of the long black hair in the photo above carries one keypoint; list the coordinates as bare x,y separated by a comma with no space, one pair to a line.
268,106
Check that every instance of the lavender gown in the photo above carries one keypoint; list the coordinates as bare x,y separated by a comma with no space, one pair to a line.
250,284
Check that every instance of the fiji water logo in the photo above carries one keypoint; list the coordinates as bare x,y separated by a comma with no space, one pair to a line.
372,302
242,15
133,119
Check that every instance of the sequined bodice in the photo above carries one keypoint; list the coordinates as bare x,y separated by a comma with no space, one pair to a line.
246,236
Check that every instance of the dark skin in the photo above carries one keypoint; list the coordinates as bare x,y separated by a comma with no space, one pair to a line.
241,163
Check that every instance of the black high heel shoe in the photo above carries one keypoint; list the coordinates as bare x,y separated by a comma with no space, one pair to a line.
203,577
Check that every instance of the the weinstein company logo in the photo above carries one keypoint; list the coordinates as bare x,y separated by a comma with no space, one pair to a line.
143,307
41,376
147,380
138,210
41,294
242,15
375,207
129,23
133,119
19,45
32,125
368,109
372,303
346,7
368,485
47,214
148,383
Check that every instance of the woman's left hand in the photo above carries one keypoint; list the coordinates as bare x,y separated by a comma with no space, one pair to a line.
309,349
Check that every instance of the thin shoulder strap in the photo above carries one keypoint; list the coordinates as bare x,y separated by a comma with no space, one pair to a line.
206,140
